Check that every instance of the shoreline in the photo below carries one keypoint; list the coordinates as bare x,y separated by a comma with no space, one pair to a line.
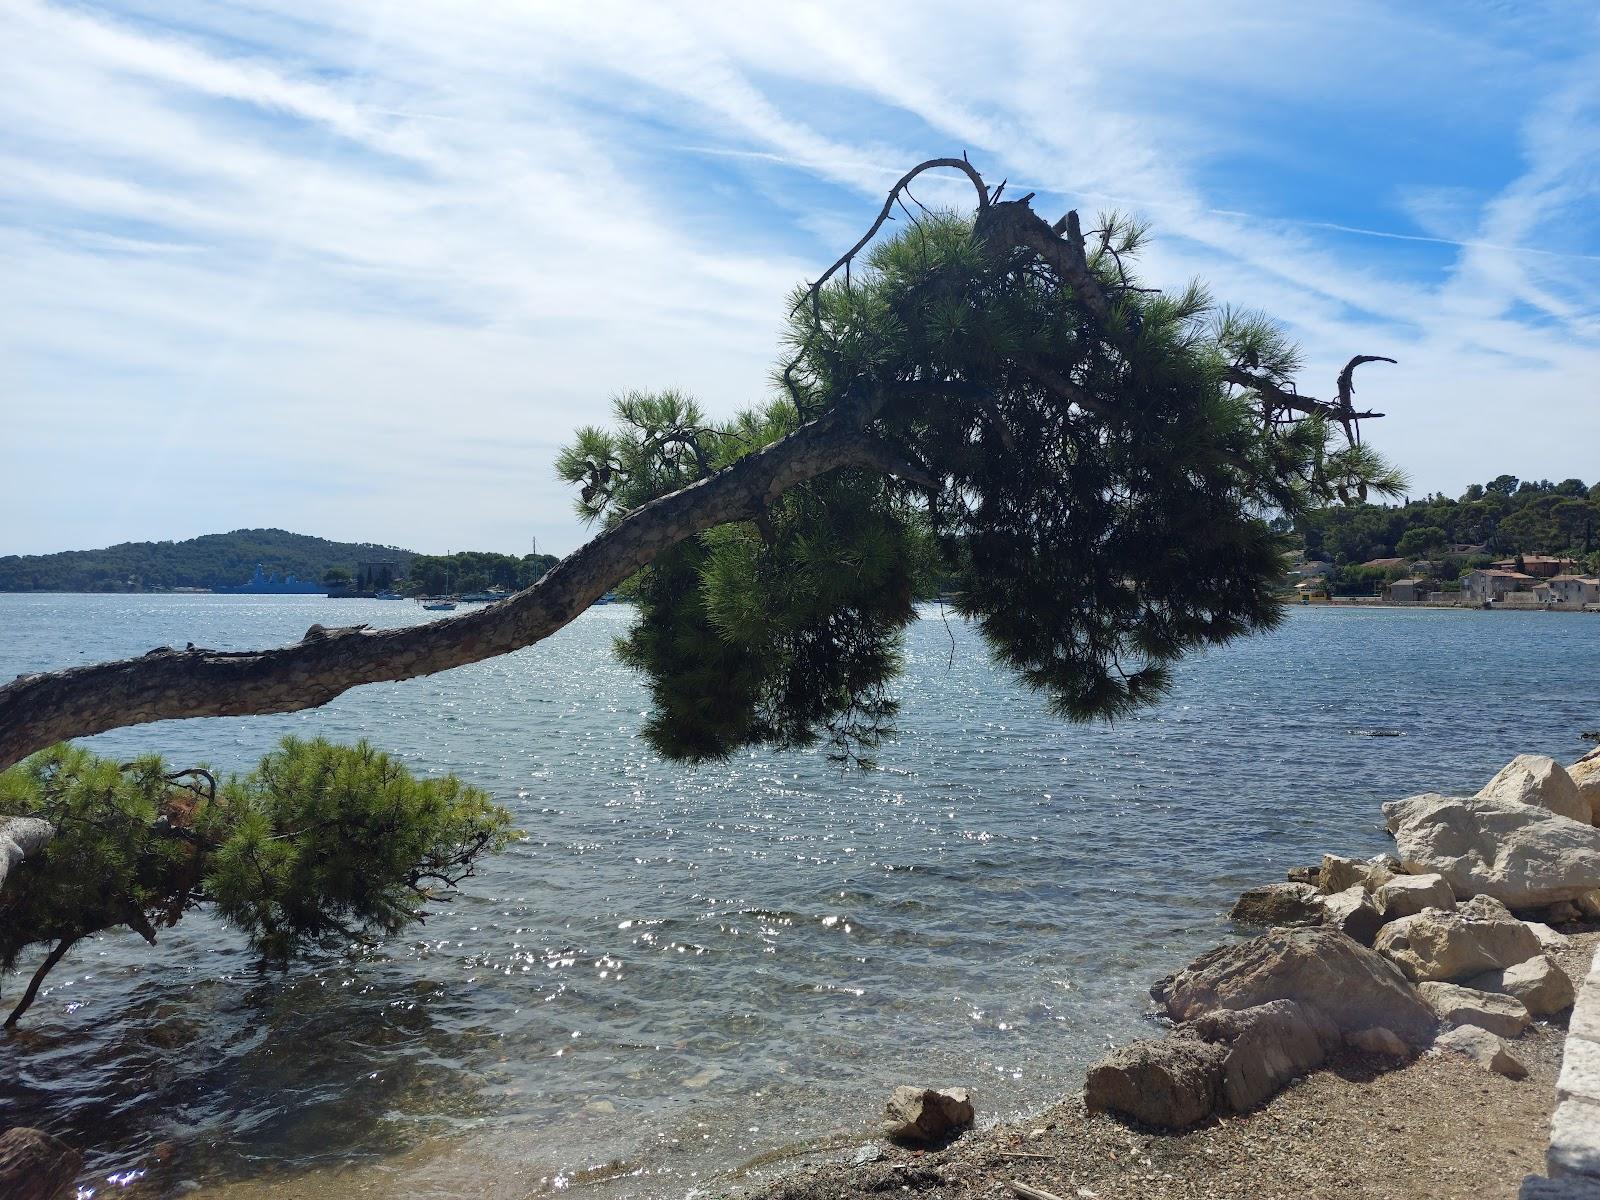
1357,1128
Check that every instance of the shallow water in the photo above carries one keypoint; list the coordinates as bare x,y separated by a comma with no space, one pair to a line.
682,969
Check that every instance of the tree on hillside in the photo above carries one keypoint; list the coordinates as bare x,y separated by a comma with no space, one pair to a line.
337,578
1095,461
1425,541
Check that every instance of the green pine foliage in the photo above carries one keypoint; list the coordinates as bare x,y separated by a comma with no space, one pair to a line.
1103,508
319,841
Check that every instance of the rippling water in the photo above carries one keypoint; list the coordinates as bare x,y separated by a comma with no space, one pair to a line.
684,969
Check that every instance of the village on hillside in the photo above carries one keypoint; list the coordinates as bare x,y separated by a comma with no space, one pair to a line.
1526,581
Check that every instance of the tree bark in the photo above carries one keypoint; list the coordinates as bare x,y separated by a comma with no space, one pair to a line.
34,1165
37,711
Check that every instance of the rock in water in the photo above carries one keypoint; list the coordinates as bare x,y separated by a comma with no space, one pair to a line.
1267,1046
921,1115
1319,969
1353,914
1279,904
1483,1048
1494,1011
1521,855
1540,781
1168,1084
1453,946
1407,895
34,1165
1542,987
1311,875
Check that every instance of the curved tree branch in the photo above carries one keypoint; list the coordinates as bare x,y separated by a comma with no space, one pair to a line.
37,711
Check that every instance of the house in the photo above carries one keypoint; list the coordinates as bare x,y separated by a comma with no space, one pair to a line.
1312,588
1574,590
1408,591
1542,566
1492,583
1387,564
1313,567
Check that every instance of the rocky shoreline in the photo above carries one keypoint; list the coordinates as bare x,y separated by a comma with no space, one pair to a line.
1436,977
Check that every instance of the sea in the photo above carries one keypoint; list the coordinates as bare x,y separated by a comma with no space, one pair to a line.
685,980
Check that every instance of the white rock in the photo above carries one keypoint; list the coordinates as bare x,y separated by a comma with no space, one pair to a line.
1407,895
1586,774
1353,914
1494,1011
1483,1048
1378,1040
1520,854
1541,781
1574,1140
1339,873
1542,987
1452,946
1550,939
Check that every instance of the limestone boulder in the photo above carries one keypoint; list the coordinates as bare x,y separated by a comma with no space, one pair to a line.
1311,875
1169,1084
1339,874
1585,773
1480,935
1482,1047
1494,1011
1279,904
1541,781
1522,855
1380,1041
1407,895
923,1116
1542,987
1353,914
1550,939
1320,969
1266,1046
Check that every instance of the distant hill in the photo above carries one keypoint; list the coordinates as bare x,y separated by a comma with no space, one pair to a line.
214,561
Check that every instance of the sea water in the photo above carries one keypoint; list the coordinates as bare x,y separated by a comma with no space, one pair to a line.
682,975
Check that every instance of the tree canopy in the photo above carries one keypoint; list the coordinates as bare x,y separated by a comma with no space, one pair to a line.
1095,461
318,841
1096,485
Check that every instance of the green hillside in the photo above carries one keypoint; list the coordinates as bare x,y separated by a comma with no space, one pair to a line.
213,561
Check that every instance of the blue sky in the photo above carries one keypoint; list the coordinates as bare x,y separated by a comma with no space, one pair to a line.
358,269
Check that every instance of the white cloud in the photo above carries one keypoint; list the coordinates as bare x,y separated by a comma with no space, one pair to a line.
359,269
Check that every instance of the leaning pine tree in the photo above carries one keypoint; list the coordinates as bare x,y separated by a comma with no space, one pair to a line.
1092,465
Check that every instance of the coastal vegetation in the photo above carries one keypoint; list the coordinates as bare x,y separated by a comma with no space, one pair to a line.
1500,519
318,842
472,571
215,560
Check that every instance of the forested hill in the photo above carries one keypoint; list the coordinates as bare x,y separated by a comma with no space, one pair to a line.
213,561
1501,518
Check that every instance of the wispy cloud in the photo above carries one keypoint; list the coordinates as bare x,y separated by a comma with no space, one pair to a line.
277,243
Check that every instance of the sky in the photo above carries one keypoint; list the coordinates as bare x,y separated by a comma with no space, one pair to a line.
359,269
